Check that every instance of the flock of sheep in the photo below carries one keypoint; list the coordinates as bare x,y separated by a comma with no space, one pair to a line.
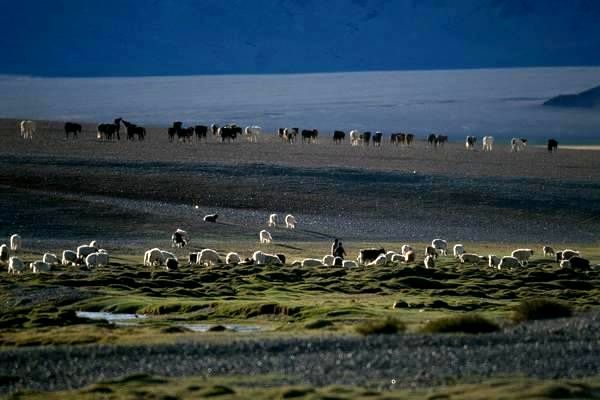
90,255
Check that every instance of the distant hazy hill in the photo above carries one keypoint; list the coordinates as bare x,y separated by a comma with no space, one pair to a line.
586,99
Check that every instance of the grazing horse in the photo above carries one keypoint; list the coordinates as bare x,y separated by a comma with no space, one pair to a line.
27,129
201,132
310,135
377,138
518,144
398,138
252,133
134,130
106,131
71,127
552,145
290,134
470,142
409,138
338,136
488,143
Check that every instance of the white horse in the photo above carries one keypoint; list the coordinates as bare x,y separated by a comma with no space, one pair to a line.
518,144
355,137
252,133
27,129
488,143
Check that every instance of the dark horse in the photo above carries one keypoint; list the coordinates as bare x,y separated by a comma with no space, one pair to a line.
133,130
71,127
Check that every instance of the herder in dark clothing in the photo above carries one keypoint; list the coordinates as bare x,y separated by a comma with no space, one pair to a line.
334,246
339,251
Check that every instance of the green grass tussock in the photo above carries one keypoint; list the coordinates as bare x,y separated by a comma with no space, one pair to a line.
534,309
380,327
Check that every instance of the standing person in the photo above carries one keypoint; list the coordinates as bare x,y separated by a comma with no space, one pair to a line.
339,252
334,246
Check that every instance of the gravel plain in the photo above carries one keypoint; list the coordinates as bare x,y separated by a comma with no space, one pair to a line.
565,348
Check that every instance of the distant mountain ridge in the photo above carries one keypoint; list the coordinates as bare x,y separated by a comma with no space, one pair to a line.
587,99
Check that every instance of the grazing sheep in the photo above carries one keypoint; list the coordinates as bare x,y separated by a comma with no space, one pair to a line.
261,258
50,258
406,248
565,264
338,261
410,256
153,257
493,261
509,262
273,219
93,243
548,251
39,266
397,258
429,262
579,263
208,257
457,250
469,258
380,260
349,264
265,237
441,246
312,262
567,254
96,260
522,255
389,255
328,260
15,242
15,266
430,251
69,257
211,218
171,264
290,221
84,250
367,255
4,254
232,258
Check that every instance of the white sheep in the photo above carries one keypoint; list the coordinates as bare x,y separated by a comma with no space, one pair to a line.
429,262
15,266
509,262
16,242
406,248
50,258
4,254
379,261
265,237
232,258
153,257
69,257
397,258
349,264
290,221
493,261
457,250
548,251
469,258
208,257
312,262
522,255
410,256
273,219
84,250
389,255
441,246
261,258
96,260
39,266
328,260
